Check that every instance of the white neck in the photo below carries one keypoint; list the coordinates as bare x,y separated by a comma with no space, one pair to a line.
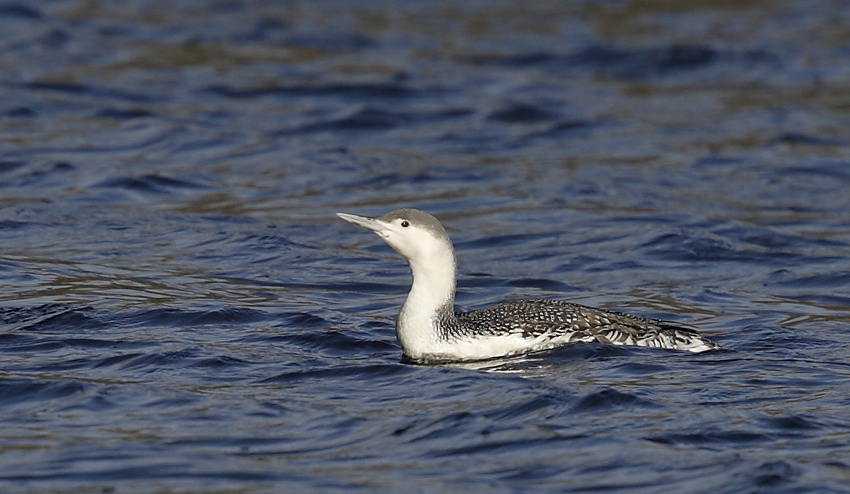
434,281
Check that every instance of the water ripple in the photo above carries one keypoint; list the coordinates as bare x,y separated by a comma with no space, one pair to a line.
181,310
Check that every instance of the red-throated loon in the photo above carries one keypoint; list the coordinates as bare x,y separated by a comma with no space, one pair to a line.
429,329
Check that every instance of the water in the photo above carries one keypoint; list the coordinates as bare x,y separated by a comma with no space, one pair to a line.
182,311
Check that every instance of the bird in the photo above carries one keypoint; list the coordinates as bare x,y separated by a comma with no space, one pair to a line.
429,329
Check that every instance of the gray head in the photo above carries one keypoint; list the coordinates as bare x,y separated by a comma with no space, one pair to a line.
417,218
412,233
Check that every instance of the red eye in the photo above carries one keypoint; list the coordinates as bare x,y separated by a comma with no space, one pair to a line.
405,224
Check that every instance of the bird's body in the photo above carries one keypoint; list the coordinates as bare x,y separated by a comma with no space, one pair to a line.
429,329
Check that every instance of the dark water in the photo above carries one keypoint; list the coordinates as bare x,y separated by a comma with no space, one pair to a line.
181,311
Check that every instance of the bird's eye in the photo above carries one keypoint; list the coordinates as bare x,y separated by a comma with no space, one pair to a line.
405,223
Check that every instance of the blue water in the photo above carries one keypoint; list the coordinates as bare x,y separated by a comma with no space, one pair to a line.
181,310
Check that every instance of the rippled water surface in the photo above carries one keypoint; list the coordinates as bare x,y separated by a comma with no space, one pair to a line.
181,310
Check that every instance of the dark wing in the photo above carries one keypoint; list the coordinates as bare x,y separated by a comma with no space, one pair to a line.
580,323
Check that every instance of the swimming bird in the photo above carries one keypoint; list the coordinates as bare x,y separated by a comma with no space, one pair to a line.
430,330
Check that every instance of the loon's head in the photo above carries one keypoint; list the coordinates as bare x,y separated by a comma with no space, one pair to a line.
421,239
415,234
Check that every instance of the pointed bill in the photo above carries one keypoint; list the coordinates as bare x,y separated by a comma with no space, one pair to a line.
373,224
